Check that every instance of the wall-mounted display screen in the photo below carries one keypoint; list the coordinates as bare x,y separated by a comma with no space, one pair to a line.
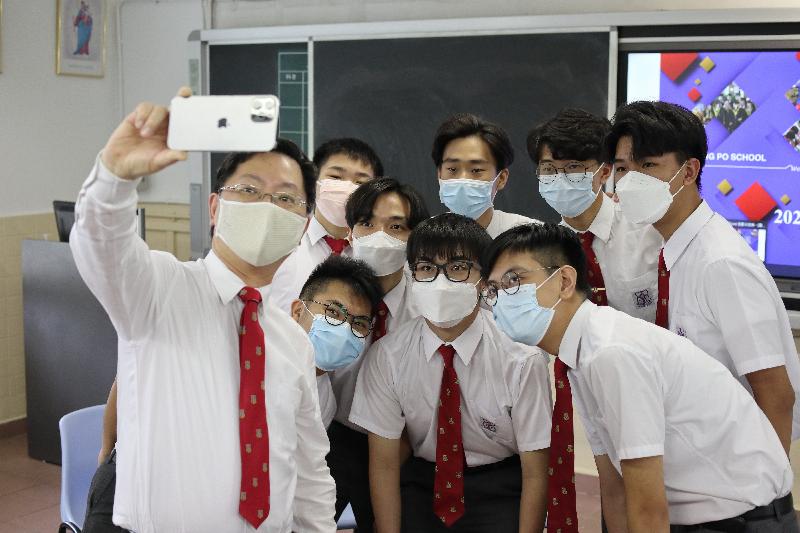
749,102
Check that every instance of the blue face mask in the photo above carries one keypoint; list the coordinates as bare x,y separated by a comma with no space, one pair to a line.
334,346
470,198
521,317
569,194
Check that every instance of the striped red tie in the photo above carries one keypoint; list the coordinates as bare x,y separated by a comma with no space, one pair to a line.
379,330
253,432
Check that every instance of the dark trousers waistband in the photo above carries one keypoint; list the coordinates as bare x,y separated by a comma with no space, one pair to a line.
778,508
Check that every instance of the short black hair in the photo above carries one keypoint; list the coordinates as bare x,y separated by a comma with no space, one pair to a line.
572,134
354,273
448,235
466,125
355,149
658,128
552,245
362,201
283,146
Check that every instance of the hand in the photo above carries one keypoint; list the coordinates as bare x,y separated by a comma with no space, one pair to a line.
138,147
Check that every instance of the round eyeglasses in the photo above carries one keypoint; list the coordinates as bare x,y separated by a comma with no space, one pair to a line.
336,315
509,284
427,271
574,172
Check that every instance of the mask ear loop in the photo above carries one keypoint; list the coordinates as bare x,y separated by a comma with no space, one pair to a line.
675,176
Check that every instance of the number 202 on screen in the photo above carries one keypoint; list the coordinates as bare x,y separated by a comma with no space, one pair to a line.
785,216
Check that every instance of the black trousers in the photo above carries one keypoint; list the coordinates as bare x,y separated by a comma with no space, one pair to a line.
491,498
349,464
100,503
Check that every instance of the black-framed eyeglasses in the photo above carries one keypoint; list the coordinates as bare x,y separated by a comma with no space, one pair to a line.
336,315
427,271
574,171
247,193
509,284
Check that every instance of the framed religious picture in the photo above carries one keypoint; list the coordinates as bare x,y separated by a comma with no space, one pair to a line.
81,37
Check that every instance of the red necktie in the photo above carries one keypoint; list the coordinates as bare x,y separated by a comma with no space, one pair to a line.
337,245
598,295
380,321
253,432
448,483
562,514
662,307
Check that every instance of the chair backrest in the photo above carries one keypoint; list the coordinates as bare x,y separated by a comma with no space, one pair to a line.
81,434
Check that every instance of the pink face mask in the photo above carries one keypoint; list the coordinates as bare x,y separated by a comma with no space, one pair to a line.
332,196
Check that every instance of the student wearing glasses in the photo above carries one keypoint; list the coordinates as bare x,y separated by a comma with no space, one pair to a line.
381,215
622,258
476,405
679,444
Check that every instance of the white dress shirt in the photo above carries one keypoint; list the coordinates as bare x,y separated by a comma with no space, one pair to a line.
293,273
401,309
505,391
178,462
642,391
628,258
722,298
502,221
327,401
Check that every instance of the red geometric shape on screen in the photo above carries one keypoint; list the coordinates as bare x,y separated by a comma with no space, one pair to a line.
797,55
674,64
694,95
755,202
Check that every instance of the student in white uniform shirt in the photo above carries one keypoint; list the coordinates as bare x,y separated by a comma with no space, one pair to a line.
380,215
717,293
343,165
474,403
676,439
472,157
622,259
219,423
336,307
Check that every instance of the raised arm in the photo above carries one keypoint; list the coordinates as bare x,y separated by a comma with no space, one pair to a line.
113,261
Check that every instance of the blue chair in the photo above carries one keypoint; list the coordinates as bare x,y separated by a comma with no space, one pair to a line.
347,520
81,434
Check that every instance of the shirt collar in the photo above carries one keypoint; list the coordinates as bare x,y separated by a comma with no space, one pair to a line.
226,282
394,298
601,225
568,350
315,231
686,232
465,344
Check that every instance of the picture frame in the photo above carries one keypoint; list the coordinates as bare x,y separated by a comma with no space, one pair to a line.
81,37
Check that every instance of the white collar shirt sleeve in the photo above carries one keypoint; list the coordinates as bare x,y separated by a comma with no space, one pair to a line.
178,465
646,392
505,391
724,300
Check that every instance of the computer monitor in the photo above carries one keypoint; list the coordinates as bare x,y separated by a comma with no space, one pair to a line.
749,101
65,218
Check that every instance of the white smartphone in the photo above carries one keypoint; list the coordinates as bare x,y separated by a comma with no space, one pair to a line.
223,123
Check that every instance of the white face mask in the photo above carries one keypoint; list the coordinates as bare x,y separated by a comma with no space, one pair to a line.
644,199
260,233
445,302
384,253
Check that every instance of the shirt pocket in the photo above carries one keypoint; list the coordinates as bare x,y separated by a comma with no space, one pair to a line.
495,423
636,297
